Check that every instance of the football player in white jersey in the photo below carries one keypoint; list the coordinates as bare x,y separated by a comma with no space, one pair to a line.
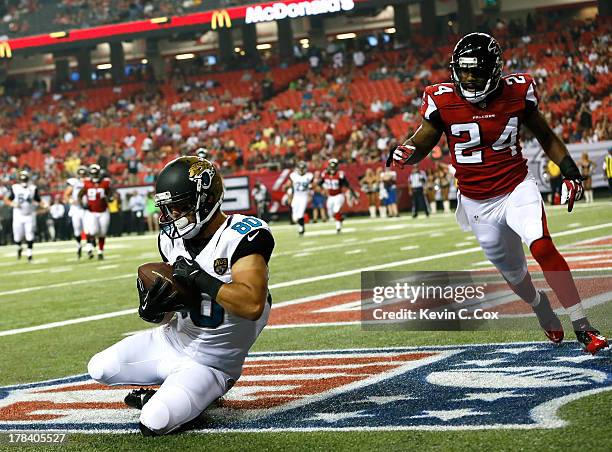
76,212
300,181
198,351
24,198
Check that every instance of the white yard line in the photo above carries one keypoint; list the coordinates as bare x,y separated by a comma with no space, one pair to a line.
273,286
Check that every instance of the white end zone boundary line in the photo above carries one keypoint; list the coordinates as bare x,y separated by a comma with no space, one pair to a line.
272,286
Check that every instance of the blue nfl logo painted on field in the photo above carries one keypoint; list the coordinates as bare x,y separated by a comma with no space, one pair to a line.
424,388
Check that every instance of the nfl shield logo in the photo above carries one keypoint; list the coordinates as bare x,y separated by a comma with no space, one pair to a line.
220,265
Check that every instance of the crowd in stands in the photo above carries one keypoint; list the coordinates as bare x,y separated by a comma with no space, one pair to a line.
335,102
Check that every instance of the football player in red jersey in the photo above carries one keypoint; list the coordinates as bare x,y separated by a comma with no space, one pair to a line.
97,191
481,113
334,182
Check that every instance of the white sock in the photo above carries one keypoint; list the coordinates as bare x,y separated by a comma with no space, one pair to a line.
446,206
576,312
536,300
338,225
29,252
372,210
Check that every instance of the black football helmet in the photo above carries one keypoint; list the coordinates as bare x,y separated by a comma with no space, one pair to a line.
188,191
476,66
302,167
332,166
24,177
95,172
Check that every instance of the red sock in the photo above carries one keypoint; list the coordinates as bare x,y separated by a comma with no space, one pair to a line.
338,216
525,289
556,271
101,241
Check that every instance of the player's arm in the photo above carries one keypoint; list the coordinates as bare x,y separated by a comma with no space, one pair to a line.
9,200
68,194
556,150
246,295
417,147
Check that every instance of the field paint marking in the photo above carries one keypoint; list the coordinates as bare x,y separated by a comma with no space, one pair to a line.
107,267
414,260
47,326
357,251
288,283
64,284
409,247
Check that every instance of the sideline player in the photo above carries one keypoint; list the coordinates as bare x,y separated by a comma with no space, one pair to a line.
97,190
334,181
196,356
481,112
76,211
24,199
300,180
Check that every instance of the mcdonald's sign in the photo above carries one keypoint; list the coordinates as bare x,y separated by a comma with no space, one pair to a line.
5,50
220,19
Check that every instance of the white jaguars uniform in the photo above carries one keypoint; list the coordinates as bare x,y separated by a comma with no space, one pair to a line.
24,211
76,212
197,356
301,184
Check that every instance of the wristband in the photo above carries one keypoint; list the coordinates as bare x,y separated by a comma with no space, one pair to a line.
208,284
569,169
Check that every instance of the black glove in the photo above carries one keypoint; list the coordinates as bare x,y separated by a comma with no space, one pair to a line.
154,302
188,273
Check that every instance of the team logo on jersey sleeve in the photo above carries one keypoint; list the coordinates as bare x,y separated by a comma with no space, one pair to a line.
463,387
220,265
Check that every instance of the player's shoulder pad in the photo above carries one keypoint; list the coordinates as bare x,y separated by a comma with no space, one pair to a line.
523,86
240,225
436,97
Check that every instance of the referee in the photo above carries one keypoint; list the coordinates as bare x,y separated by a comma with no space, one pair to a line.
416,182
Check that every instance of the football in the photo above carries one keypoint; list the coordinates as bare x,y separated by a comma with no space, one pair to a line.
150,271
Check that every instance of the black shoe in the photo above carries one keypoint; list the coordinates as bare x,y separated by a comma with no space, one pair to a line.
90,254
591,341
100,257
549,321
79,252
19,251
139,397
29,258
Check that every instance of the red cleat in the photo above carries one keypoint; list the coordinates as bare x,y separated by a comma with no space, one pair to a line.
549,321
591,341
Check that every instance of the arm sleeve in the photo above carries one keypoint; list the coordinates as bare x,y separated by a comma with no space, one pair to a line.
429,110
36,195
531,98
263,244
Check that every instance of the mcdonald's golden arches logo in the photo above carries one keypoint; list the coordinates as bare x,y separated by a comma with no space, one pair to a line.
5,50
221,19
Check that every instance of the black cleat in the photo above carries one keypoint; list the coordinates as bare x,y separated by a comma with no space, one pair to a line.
29,258
90,255
549,321
79,252
19,251
100,257
591,341
139,397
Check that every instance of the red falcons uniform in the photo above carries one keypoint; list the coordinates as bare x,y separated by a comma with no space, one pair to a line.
333,183
484,142
96,194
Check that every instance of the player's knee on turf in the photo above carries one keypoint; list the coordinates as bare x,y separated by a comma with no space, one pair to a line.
102,367
167,410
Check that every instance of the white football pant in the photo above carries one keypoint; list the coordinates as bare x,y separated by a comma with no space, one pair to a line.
187,387
24,226
501,223
96,223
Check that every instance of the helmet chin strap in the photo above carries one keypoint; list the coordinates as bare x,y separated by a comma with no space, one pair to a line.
188,230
